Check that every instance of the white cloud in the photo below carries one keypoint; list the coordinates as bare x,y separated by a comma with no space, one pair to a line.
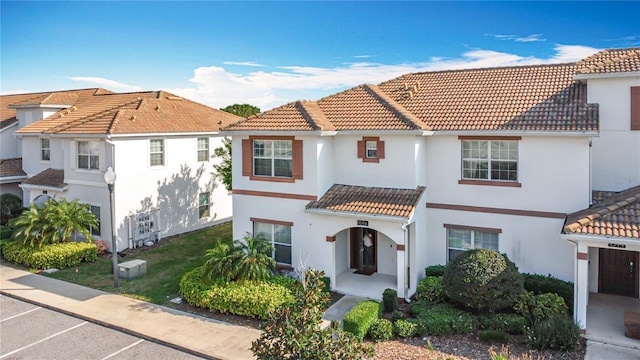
106,83
242,63
14,92
217,87
518,38
362,56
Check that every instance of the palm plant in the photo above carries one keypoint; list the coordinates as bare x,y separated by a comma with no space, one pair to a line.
53,222
245,259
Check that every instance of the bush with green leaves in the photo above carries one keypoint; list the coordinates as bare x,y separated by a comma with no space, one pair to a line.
360,318
245,259
557,332
381,330
60,256
430,289
417,307
294,331
510,323
397,315
255,298
493,336
434,270
444,319
540,284
405,328
10,207
6,233
326,283
483,280
536,308
389,300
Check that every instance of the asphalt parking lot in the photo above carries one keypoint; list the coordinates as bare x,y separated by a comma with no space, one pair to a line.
28,331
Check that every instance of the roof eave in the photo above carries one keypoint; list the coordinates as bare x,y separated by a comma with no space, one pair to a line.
44,187
516,133
30,106
573,237
400,219
11,179
606,75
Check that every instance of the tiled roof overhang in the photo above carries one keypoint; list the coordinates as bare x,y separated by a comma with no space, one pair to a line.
11,170
368,201
48,179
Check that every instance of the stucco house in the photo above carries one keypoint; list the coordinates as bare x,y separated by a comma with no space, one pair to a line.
158,144
433,164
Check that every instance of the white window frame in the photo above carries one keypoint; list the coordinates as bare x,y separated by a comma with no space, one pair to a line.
475,240
47,149
90,155
274,154
371,149
204,213
202,154
96,232
161,152
271,237
490,152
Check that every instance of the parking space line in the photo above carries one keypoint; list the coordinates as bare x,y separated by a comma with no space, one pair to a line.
45,339
123,349
24,313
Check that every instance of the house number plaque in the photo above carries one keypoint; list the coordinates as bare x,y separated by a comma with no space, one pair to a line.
363,223
620,246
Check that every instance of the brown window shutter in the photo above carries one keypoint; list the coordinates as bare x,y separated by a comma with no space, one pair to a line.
247,157
361,149
635,108
380,149
297,159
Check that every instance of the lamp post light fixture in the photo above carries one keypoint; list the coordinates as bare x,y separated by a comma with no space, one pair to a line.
110,179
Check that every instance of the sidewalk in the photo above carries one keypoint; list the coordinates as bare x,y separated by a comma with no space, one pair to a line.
191,333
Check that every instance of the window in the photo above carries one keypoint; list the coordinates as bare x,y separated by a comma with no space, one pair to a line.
95,230
203,149
273,158
371,149
88,155
45,150
635,108
279,235
495,160
203,205
156,152
460,240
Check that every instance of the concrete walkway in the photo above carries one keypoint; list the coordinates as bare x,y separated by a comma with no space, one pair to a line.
191,333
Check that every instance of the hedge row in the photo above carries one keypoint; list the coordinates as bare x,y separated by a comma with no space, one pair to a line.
249,298
61,255
540,284
359,319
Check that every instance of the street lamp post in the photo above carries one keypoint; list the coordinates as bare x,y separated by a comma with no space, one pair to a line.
110,179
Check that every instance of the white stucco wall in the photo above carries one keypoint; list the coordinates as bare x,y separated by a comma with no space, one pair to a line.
9,146
616,153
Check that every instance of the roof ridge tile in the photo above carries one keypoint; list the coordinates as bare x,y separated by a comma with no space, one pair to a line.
404,114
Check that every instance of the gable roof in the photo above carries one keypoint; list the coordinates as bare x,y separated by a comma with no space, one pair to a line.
541,98
375,201
9,103
11,168
133,113
613,214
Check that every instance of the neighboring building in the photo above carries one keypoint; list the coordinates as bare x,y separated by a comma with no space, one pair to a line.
433,164
159,145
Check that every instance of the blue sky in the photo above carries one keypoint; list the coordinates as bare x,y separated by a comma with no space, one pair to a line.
269,53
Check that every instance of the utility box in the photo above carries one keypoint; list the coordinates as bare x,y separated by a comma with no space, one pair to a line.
132,269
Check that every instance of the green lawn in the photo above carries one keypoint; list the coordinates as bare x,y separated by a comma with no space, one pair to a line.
165,266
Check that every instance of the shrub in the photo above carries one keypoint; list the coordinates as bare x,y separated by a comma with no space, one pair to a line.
482,279
249,298
397,315
405,328
6,233
359,319
558,332
444,319
417,307
381,330
61,256
493,336
510,323
434,270
430,289
246,259
326,283
389,300
536,308
10,207
285,281
540,284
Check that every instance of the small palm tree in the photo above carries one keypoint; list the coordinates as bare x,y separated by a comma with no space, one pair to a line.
54,222
245,259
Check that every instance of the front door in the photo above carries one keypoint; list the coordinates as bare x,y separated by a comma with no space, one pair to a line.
618,272
363,258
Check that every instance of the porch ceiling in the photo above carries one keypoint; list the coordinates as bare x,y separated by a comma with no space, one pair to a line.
376,201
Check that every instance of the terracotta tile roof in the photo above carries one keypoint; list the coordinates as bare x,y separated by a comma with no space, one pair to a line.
611,61
50,178
369,200
133,113
70,97
11,168
616,214
524,98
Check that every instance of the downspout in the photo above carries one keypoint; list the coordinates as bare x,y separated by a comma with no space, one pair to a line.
575,279
590,173
407,264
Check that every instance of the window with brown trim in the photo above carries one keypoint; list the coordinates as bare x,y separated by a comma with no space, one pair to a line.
370,149
272,158
635,108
